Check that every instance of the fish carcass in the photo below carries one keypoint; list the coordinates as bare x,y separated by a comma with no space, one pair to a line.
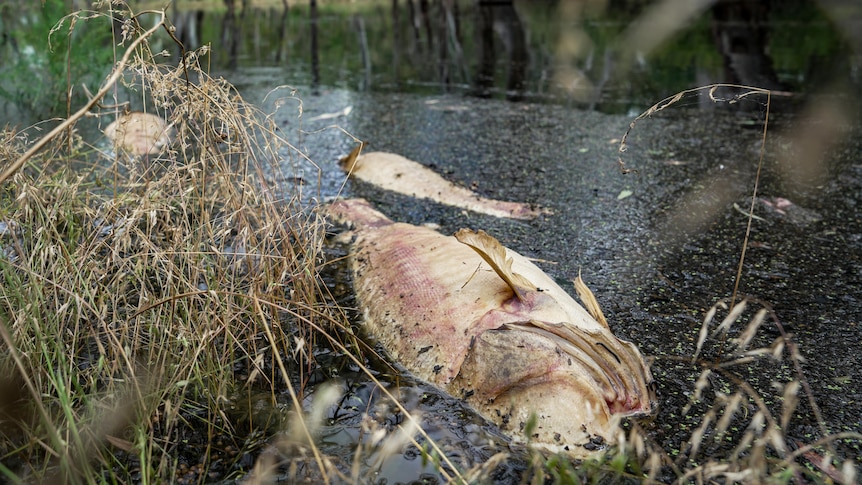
140,133
488,326
393,172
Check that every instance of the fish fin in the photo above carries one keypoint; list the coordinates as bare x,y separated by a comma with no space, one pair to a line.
347,162
495,255
589,300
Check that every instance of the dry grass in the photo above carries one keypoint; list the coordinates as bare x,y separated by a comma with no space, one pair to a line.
144,298
734,428
740,432
746,391
157,309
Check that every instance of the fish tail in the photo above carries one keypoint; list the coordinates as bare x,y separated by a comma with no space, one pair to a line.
347,162
357,213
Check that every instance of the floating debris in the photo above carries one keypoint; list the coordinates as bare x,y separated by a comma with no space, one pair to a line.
624,194
330,116
782,208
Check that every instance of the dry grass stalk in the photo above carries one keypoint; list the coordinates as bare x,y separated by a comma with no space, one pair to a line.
761,451
737,437
133,316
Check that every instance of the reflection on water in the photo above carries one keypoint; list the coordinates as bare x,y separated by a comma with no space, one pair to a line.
612,55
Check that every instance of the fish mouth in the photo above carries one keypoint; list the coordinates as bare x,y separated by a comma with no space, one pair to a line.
614,366
602,361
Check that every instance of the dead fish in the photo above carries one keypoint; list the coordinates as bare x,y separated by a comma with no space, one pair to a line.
139,133
398,174
485,324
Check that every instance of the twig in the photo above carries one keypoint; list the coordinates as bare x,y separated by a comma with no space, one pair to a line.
670,100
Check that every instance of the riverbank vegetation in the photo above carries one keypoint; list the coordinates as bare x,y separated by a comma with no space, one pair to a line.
559,52
151,303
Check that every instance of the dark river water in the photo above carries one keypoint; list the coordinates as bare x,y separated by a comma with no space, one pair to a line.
614,56
528,101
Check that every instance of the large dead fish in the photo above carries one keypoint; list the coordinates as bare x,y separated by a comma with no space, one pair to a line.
488,326
398,174
139,133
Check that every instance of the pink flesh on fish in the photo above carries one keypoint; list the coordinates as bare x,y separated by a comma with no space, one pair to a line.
488,326
398,174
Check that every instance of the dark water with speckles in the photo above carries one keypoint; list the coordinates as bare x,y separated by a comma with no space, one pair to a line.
658,247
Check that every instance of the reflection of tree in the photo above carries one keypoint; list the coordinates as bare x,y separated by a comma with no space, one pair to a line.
442,47
502,18
82,49
434,40
365,81
232,31
515,43
484,79
188,27
587,50
740,35
396,41
414,26
425,20
281,30
315,55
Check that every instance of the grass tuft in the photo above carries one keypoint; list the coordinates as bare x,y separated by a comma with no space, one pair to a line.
146,299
